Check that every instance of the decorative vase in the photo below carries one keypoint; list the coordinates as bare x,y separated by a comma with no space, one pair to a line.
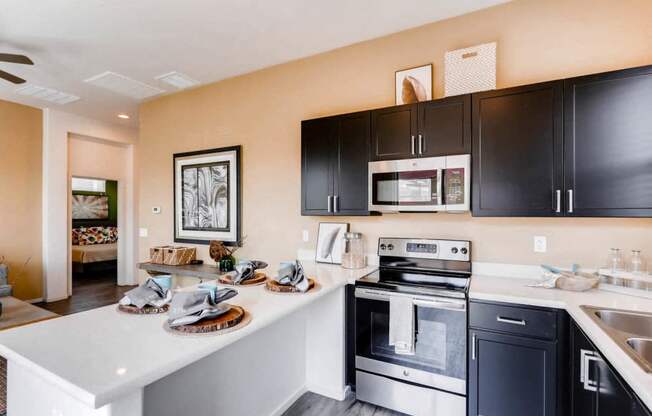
226,263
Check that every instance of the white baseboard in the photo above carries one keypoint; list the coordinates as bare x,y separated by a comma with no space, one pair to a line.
289,402
37,300
337,394
57,299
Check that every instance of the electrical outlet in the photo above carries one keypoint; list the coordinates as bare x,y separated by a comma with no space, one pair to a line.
306,236
142,232
156,210
540,244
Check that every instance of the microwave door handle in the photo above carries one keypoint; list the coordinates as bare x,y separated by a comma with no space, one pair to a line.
440,186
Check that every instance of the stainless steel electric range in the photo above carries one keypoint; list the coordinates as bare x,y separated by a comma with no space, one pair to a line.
435,276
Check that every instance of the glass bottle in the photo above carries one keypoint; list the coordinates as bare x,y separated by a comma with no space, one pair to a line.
636,264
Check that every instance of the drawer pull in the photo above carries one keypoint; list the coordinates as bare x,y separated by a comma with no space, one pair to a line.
520,322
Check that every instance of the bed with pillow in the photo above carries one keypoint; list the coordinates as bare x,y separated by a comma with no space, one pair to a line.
94,246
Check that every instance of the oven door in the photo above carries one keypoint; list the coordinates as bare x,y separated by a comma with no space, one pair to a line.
406,185
439,360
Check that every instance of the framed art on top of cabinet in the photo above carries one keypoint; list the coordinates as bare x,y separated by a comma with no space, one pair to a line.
413,85
207,196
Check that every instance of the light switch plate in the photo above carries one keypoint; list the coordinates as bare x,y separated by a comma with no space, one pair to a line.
306,236
540,244
142,232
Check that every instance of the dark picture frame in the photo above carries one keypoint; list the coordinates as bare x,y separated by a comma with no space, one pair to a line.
202,214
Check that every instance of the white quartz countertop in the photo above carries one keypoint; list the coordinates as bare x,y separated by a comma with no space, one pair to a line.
515,290
99,355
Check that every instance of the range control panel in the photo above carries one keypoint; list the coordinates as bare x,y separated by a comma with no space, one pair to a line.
459,250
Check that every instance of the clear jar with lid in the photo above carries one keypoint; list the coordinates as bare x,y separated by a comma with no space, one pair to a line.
353,251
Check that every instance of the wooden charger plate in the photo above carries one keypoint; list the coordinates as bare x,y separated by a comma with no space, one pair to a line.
227,320
147,310
274,286
258,279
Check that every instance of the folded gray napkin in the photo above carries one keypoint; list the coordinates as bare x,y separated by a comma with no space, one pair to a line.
291,273
205,302
245,270
155,292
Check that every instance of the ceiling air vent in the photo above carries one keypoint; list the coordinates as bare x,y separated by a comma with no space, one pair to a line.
123,85
178,80
47,94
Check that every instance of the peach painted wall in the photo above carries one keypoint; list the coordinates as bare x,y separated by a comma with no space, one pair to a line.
21,131
537,41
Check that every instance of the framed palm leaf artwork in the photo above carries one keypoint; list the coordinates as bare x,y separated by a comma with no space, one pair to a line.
207,203
329,242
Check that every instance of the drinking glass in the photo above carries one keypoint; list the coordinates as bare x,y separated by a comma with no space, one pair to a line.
636,263
615,262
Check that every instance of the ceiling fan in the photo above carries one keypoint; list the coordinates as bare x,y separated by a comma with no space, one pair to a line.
14,59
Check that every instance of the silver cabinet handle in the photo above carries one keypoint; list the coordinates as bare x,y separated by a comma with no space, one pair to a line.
511,321
420,144
413,145
586,357
473,347
558,193
570,201
330,203
336,203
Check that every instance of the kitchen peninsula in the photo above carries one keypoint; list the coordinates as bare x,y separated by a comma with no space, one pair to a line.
104,362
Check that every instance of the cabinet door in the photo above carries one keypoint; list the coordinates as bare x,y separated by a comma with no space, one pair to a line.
351,165
445,126
517,151
318,145
511,376
608,143
614,397
393,132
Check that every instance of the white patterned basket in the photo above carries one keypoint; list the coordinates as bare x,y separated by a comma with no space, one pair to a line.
470,69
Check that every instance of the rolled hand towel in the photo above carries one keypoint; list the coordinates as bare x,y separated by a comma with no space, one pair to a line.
205,302
291,273
155,292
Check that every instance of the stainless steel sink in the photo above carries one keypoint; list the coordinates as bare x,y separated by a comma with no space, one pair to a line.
632,331
632,322
642,346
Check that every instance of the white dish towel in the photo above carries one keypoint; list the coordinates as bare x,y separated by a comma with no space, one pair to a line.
401,325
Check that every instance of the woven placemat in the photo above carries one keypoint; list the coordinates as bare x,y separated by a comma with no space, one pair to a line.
245,321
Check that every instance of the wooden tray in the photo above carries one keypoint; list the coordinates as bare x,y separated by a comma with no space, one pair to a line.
147,310
225,321
274,286
258,279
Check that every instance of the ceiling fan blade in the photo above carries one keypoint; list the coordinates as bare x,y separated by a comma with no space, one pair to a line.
15,59
11,78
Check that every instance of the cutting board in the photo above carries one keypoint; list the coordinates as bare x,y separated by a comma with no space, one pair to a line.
274,286
147,310
225,321
258,279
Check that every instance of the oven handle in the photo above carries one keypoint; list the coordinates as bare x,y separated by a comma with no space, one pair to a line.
417,300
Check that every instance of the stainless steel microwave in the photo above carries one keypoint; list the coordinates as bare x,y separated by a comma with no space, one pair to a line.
426,184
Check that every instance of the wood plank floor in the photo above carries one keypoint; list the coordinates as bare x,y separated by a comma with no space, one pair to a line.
89,291
311,404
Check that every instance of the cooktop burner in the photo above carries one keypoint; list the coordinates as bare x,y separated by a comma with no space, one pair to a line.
439,267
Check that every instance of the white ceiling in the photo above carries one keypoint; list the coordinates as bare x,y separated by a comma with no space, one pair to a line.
209,40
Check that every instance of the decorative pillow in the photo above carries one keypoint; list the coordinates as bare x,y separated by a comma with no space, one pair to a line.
75,235
94,235
113,234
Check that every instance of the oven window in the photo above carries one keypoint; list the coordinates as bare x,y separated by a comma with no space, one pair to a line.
440,340
405,188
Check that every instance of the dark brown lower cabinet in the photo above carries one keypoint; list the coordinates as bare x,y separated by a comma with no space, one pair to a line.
597,389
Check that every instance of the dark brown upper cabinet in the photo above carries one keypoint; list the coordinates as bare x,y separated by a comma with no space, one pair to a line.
517,151
334,165
444,126
393,132
608,144
431,128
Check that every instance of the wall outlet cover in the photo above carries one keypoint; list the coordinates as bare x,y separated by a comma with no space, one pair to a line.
142,232
540,244
306,236
156,210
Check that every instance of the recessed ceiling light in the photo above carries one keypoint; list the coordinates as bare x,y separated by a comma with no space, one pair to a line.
177,80
124,116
